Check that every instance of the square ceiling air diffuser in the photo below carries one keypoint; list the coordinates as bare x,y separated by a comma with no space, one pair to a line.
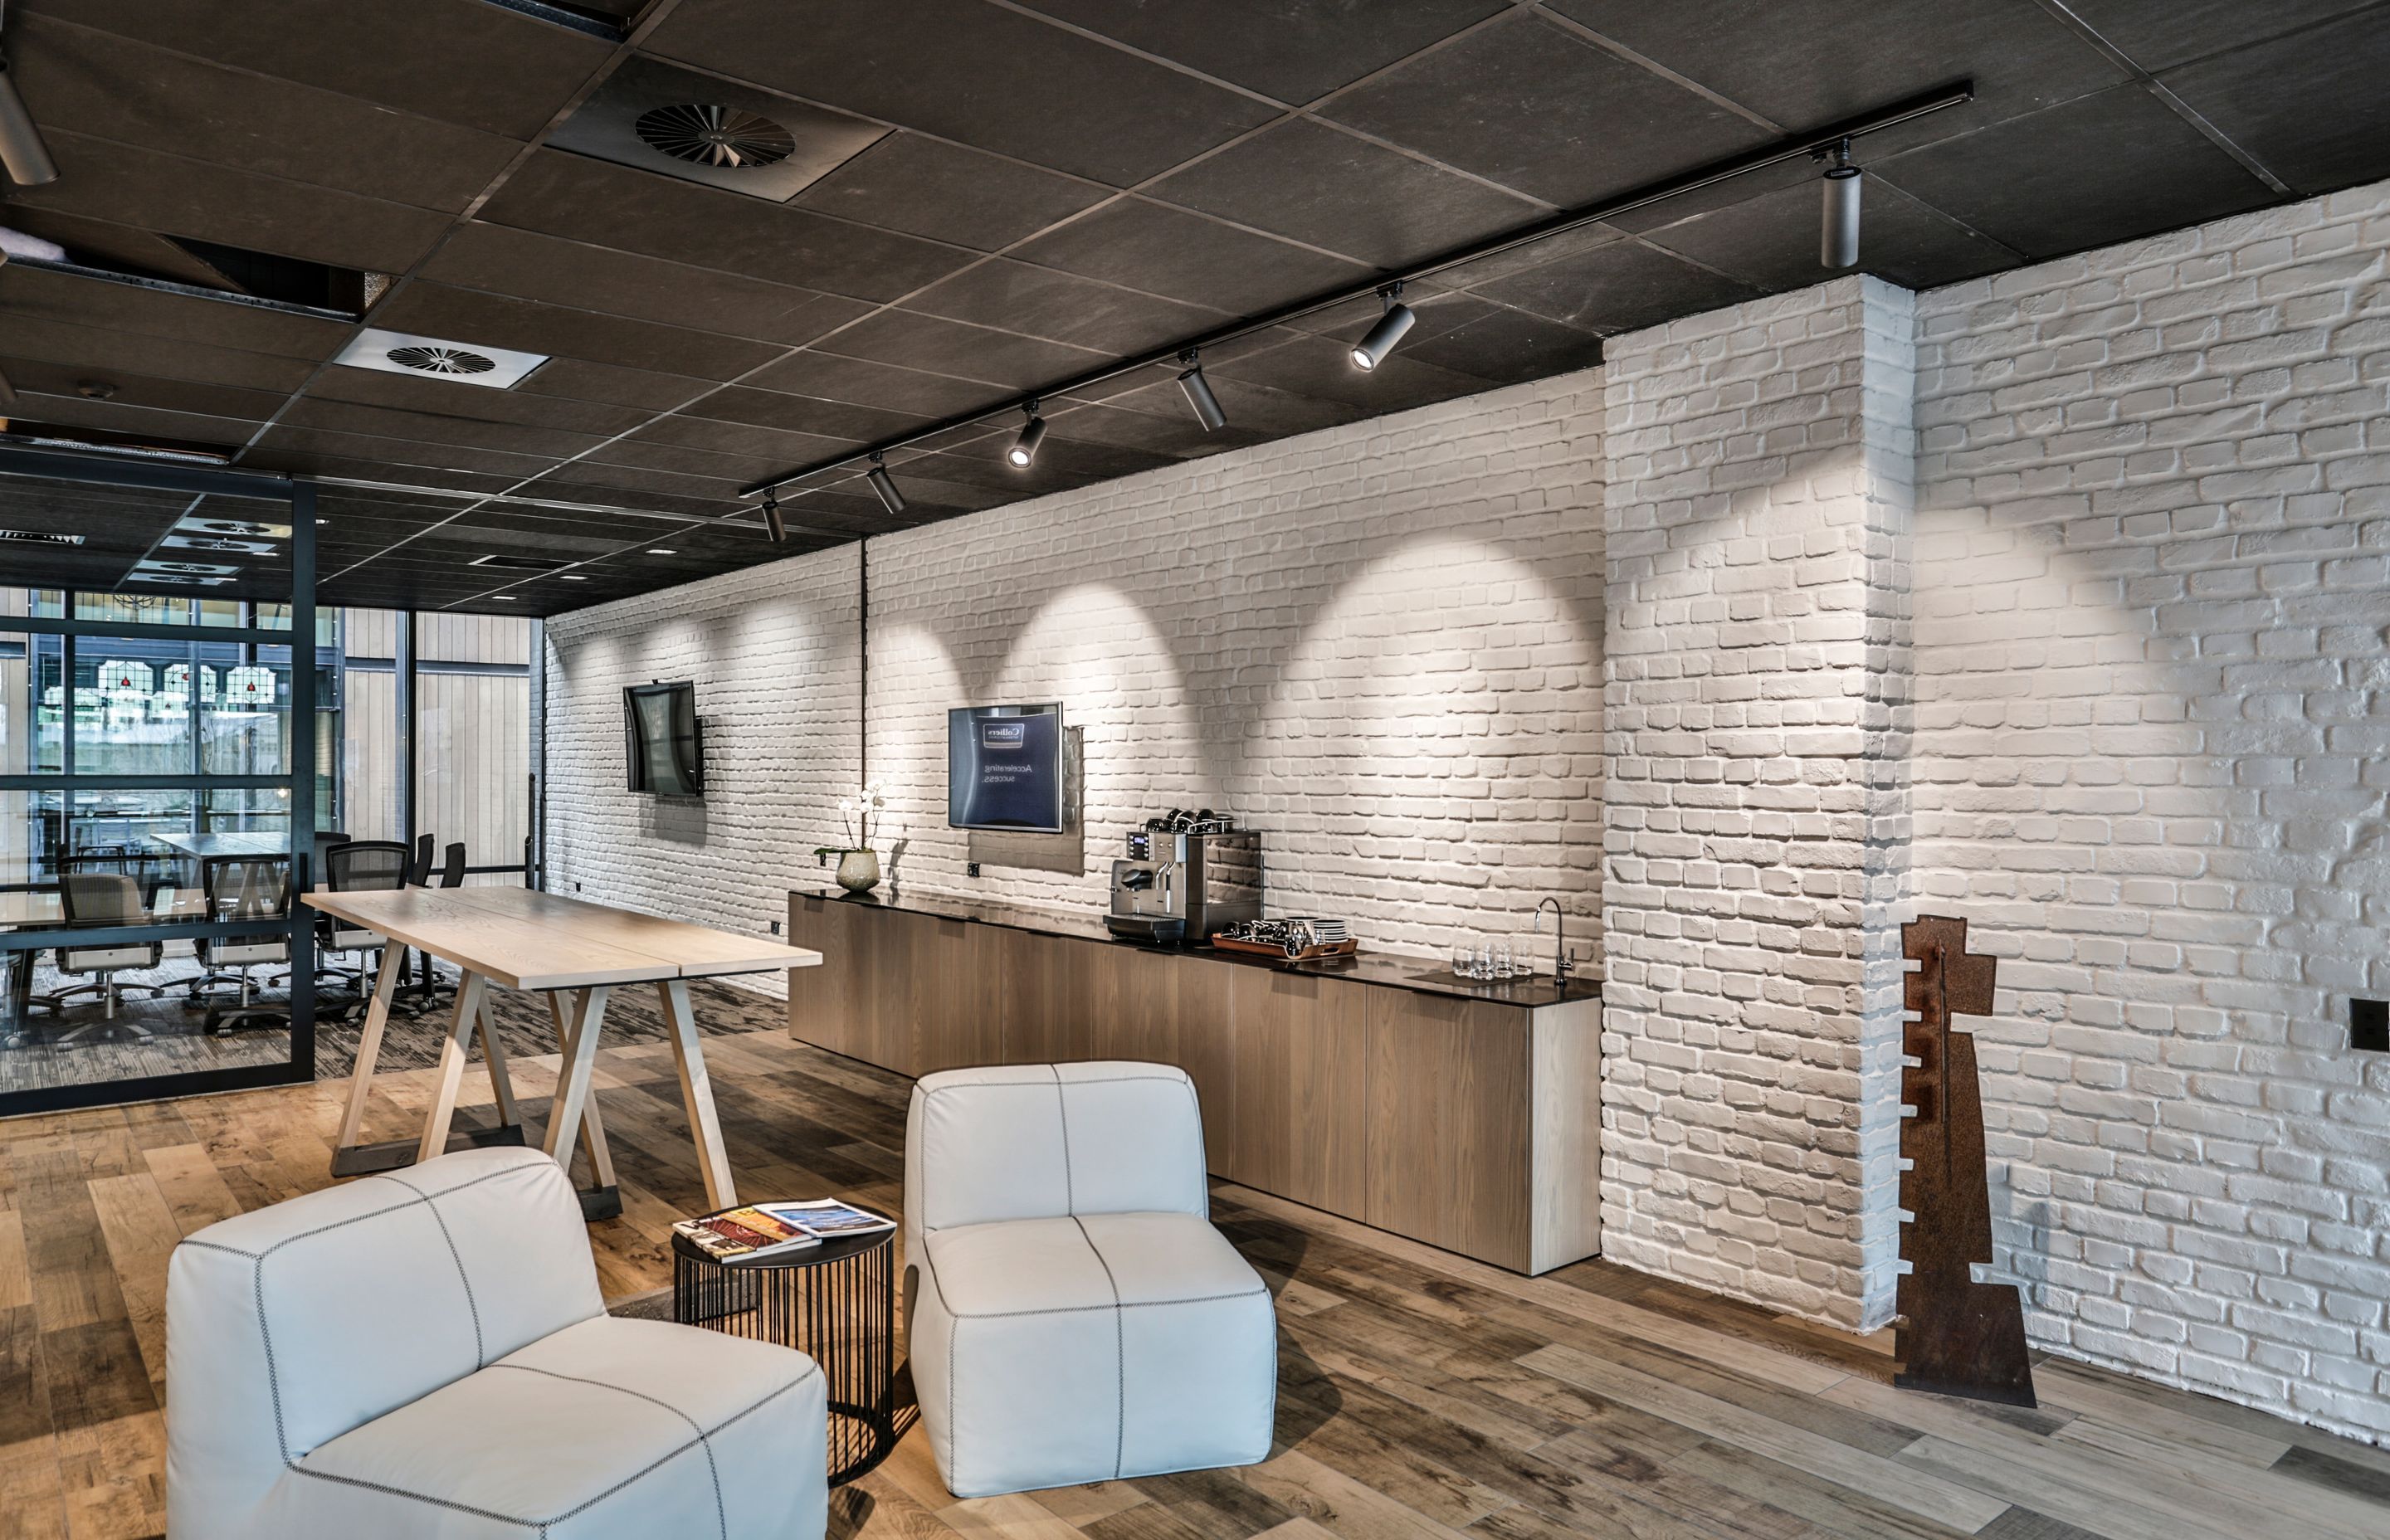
679,123
466,363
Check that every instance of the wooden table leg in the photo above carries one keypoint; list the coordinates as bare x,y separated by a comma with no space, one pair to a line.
452,1066
393,963
593,1129
573,1073
494,1055
697,1094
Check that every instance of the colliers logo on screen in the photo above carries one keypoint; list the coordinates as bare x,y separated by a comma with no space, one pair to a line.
1003,735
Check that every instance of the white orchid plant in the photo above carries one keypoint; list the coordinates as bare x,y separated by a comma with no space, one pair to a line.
858,819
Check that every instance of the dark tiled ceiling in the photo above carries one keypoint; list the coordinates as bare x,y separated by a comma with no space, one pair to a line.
1050,185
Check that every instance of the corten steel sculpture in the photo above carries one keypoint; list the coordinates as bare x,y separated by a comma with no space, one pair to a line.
1957,1337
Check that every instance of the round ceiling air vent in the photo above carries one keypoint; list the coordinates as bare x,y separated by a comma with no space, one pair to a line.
441,360
729,137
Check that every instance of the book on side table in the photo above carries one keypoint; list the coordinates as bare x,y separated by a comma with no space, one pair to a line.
759,1232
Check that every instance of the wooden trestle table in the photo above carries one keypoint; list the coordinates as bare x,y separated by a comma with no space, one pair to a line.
574,952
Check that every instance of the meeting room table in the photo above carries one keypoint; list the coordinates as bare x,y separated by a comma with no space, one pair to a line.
576,954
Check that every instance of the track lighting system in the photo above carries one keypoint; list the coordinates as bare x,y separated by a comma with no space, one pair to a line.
1398,318
772,522
22,152
1838,234
1838,248
1032,433
885,485
1199,393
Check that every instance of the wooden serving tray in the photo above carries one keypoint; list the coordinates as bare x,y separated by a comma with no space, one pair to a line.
1263,949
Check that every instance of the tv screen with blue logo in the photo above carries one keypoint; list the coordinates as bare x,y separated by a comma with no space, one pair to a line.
1004,768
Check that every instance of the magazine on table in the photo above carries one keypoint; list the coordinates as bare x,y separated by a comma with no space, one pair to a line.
759,1231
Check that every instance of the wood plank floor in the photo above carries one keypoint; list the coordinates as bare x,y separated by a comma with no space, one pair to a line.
1423,1396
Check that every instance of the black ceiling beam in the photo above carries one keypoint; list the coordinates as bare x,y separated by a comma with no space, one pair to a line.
1792,149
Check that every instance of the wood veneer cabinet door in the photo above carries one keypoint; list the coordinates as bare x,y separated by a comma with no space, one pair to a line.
825,1003
1449,1123
1049,1015
1301,1062
1205,1033
958,977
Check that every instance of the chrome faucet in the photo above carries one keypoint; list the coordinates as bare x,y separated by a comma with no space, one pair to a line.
1560,940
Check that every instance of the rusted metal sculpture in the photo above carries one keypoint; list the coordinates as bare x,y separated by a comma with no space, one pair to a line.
1956,1337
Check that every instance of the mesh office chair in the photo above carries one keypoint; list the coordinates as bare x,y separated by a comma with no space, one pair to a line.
245,887
452,875
359,866
418,871
452,865
95,898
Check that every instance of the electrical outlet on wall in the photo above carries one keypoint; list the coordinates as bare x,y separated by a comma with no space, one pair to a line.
2368,1025
776,928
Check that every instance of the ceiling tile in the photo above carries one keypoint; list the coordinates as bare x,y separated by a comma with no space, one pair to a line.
869,384
114,248
1164,250
970,72
1506,346
2329,129
502,260
582,380
464,62
929,342
1617,287
647,455
775,449
391,452
1807,63
1313,184
444,428
111,87
1296,53
1045,302
2130,167
523,404
1180,435
472,316
28,293
32,375
2157,33
297,461
176,197
1533,105
924,186
72,412
806,416
1253,408
634,210
1772,241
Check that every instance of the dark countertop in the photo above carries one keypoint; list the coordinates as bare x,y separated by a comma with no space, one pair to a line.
1420,974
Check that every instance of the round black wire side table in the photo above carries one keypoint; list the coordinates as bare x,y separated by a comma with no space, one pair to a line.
836,1302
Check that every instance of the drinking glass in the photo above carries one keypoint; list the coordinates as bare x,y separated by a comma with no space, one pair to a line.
1502,969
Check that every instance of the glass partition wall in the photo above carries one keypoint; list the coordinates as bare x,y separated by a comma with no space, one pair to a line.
159,784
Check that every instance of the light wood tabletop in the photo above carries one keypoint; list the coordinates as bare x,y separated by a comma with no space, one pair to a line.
576,952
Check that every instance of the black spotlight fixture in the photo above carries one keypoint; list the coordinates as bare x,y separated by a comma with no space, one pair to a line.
1838,237
22,152
885,485
1032,433
1371,351
772,519
1199,393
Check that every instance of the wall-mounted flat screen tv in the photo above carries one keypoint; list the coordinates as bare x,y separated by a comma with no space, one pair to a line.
660,734
1004,768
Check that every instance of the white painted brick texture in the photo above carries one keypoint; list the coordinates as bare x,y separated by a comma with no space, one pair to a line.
1758,507
1378,644
2152,660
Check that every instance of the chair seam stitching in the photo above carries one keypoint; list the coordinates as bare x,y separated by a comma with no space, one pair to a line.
481,1344
1120,1351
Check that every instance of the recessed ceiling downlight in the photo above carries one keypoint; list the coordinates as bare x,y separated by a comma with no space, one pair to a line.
439,358
706,134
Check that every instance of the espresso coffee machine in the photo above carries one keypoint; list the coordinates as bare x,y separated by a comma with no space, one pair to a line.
1187,876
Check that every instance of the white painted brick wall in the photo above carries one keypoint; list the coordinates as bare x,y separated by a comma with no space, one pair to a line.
1758,507
2152,660
1380,644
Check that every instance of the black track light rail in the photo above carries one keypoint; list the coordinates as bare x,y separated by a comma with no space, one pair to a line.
1799,147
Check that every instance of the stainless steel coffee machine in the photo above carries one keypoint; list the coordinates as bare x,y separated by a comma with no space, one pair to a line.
1187,876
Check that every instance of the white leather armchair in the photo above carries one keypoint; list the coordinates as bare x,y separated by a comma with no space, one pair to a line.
1073,1315
426,1355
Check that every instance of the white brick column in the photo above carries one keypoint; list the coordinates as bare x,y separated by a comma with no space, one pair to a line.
1756,715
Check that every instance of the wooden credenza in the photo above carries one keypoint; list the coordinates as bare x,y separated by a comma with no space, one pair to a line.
1465,1118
